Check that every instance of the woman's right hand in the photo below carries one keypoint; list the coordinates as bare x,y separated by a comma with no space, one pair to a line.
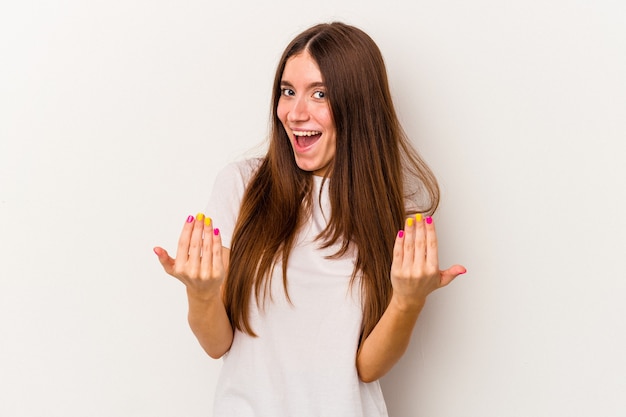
198,263
201,265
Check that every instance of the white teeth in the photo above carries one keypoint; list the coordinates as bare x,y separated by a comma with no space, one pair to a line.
307,133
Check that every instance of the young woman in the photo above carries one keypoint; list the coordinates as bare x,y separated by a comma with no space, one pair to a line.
323,261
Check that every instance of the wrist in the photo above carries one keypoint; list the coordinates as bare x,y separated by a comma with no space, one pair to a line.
407,304
203,305
204,296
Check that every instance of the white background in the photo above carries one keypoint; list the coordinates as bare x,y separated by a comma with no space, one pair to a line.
115,117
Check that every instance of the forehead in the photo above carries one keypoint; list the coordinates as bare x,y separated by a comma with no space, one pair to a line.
301,68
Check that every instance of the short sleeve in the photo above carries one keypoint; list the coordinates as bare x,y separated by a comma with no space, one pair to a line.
226,196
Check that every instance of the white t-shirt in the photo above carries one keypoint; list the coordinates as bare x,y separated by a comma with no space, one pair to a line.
302,364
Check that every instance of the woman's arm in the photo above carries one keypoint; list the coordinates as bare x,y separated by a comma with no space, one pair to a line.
414,274
201,264
208,319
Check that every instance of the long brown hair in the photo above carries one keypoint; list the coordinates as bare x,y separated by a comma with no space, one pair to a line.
375,180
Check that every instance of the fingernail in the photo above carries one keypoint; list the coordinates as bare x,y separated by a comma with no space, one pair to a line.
418,217
429,220
200,217
401,234
155,251
216,231
409,221
207,221
190,219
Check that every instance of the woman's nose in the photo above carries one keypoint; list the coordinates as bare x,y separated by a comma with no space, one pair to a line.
299,112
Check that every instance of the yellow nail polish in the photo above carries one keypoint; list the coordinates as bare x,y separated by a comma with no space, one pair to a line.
409,221
207,221
418,217
200,217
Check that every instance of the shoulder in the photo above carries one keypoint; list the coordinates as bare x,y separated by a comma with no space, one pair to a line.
235,176
232,180
239,171
227,194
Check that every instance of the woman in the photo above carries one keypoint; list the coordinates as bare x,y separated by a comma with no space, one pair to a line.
312,287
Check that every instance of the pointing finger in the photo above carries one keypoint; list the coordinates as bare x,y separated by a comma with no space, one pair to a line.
432,251
182,252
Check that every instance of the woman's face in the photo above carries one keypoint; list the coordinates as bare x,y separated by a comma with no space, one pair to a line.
305,113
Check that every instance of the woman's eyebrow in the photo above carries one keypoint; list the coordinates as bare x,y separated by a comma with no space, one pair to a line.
315,84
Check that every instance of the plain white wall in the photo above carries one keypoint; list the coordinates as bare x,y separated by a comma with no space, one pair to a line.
115,117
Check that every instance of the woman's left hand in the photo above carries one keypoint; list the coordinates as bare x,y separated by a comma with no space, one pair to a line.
415,269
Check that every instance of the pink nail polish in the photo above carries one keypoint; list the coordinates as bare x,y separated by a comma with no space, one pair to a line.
401,234
216,231
190,219
429,220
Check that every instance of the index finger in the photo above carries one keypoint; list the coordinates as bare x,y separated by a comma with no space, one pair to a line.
182,250
432,249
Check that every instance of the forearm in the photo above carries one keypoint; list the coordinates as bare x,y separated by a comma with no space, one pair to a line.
386,344
209,323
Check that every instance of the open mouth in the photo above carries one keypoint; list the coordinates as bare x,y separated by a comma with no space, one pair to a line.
304,139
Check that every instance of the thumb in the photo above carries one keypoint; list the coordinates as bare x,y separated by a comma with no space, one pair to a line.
165,259
449,274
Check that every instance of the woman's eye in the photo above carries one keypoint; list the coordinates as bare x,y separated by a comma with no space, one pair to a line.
287,92
319,94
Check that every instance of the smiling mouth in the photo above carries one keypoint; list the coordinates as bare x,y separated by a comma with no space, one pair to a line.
304,139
